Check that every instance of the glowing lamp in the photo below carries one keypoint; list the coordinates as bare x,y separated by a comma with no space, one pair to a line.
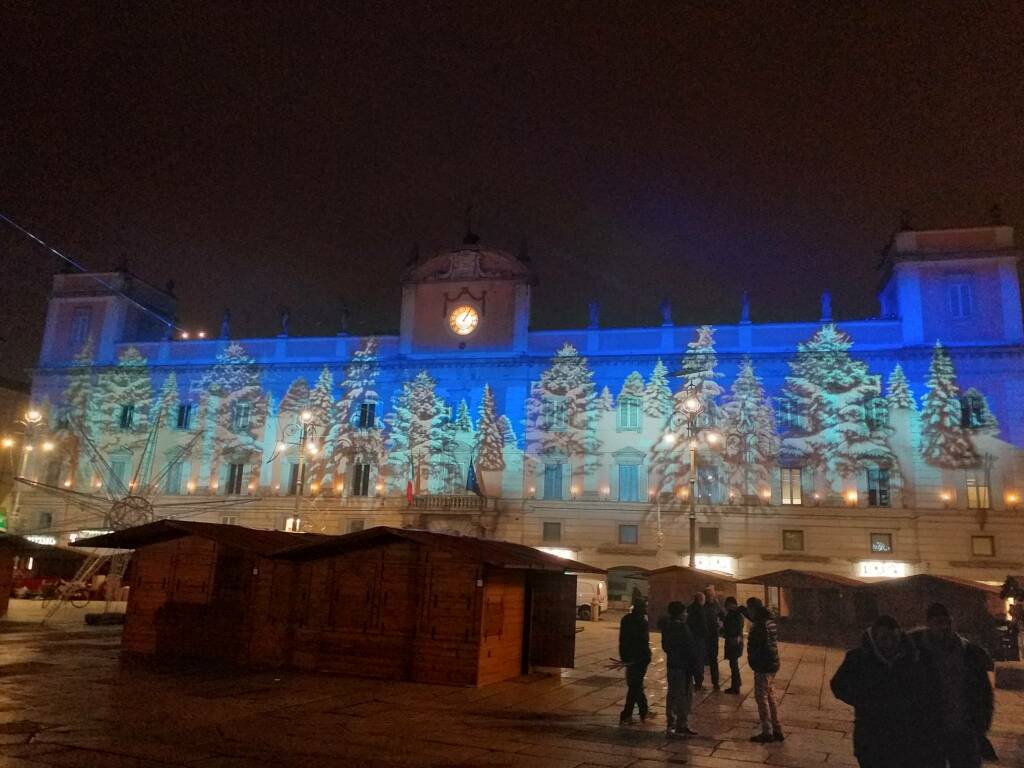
379,487
712,437
47,446
691,405
945,496
532,490
33,416
67,483
339,486
252,486
851,497
306,416
282,447
99,483
314,487
191,486
29,448
184,335
8,442
311,449
202,334
766,495
1013,498
670,438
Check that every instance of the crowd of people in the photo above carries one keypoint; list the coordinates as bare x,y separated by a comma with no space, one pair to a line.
922,698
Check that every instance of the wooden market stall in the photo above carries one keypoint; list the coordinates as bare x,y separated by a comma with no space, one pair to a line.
816,607
205,590
31,569
976,608
677,582
7,546
385,602
430,607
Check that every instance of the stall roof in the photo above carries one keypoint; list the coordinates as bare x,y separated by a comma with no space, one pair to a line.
931,577
793,578
718,575
250,539
501,554
21,544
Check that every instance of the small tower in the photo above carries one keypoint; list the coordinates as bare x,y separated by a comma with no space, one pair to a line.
958,285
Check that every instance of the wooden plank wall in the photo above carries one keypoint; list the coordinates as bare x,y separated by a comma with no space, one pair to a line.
552,604
501,626
682,586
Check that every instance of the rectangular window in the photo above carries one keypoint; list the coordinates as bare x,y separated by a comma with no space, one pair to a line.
236,473
878,487
787,415
45,520
240,418
877,414
961,300
127,417
81,318
629,482
972,411
554,414
293,524
229,520
983,546
792,492
629,534
172,481
360,480
629,414
293,478
552,533
552,481
53,472
184,420
977,493
367,415
881,543
355,526
708,537
793,541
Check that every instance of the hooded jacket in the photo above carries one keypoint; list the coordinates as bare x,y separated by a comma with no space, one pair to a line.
732,631
763,642
678,644
894,703
634,639
978,699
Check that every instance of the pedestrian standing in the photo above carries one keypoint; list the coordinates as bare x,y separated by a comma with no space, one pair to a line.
635,653
713,615
681,657
732,633
763,658
893,700
698,624
959,670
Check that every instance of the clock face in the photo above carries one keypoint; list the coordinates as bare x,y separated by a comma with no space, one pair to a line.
463,320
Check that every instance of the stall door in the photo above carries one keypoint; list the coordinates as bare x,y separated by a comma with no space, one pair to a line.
551,602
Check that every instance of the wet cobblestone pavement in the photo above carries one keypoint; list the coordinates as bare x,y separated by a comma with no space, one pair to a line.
66,699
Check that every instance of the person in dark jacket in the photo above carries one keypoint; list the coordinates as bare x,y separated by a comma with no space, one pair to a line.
959,670
732,633
763,658
713,615
893,700
681,657
635,653
698,624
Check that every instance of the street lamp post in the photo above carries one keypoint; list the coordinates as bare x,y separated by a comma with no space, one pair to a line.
692,408
303,433
29,422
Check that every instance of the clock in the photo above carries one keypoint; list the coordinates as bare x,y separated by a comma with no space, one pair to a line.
463,320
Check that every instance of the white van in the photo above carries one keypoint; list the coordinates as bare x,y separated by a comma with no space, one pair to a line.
587,588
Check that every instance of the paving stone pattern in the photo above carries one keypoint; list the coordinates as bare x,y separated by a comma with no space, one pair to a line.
67,700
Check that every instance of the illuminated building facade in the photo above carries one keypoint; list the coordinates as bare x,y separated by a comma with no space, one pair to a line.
866,447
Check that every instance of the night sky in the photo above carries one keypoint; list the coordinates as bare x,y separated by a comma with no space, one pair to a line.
264,155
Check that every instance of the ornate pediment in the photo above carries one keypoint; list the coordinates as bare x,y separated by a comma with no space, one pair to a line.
467,263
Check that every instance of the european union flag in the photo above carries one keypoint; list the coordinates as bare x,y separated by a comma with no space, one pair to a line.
471,483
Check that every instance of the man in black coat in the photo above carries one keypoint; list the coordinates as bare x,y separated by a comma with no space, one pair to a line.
635,653
698,625
959,671
681,657
732,632
713,615
893,699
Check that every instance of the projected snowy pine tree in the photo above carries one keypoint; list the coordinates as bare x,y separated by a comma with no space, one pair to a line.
562,412
355,435
670,453
830,392
751,444
898,394
463,421
73,423
657,393
234,409
944,441
490,442
123,399
421,438
978,416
